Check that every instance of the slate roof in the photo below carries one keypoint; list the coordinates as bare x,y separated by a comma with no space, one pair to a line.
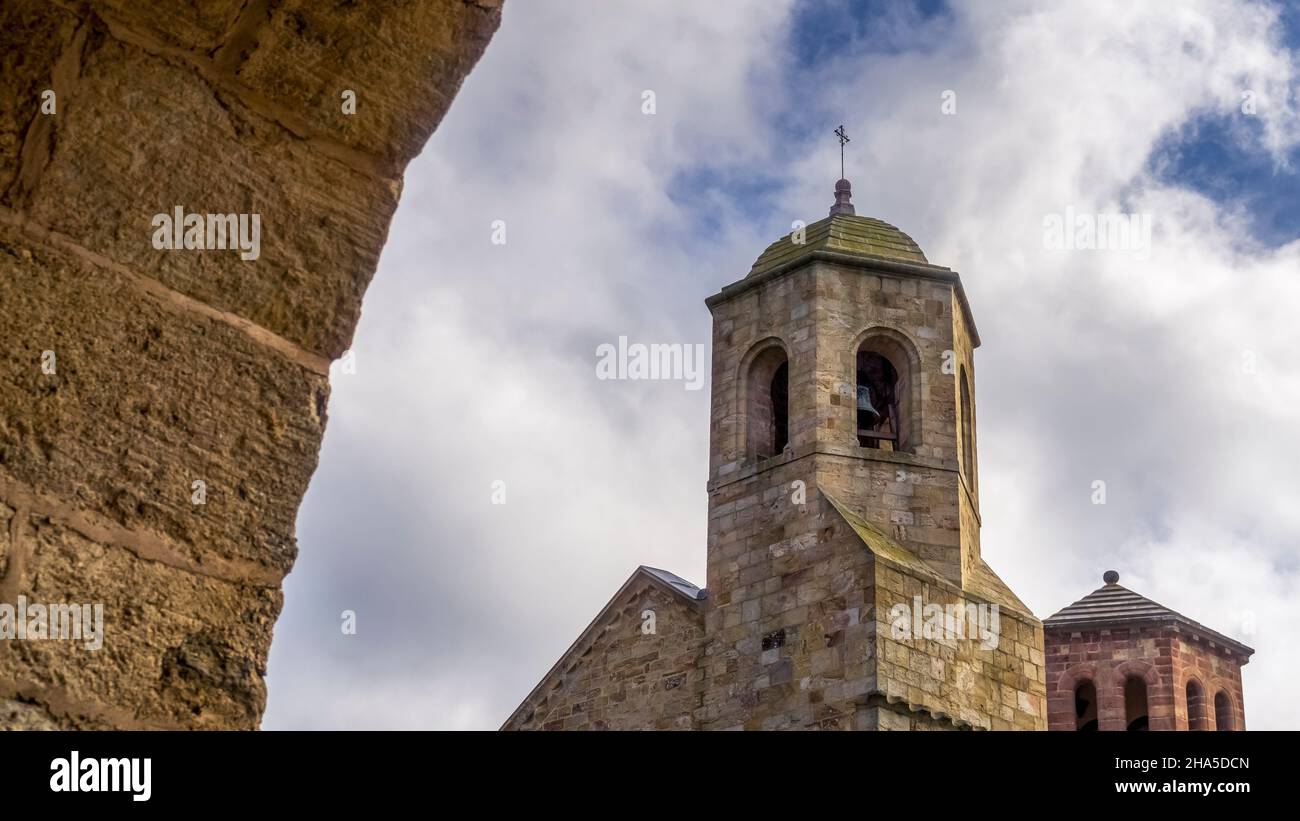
676,582
1116,605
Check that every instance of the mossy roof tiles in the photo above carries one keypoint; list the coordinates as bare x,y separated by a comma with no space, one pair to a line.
842,234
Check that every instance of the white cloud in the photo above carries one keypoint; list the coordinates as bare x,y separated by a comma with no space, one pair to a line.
476,362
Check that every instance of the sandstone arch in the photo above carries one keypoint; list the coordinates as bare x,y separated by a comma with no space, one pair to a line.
183,367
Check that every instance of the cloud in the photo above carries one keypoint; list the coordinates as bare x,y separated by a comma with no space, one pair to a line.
476,362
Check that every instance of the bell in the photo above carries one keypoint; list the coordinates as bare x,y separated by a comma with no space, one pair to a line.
865,406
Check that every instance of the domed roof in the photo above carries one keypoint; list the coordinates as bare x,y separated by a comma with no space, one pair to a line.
844,238
844,234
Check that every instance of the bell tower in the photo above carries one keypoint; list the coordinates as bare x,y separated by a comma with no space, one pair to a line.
843,481
872,346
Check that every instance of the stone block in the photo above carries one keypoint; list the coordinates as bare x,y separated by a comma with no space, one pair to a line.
179,649
143,402
34,34
153,135
391,54
198,26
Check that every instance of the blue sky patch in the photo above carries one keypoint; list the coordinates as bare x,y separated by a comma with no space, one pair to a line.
1221,157
824,29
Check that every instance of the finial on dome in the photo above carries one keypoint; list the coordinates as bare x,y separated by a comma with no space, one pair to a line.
843,192
1110,577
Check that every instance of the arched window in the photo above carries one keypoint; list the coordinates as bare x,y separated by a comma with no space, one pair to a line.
967,432
781,407
1085,706
1222,711
884,394
1196,719
767,411
1135,703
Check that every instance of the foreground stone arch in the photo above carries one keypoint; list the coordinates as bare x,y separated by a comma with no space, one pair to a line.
130,373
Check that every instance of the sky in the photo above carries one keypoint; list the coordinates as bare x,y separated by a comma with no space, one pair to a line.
1167,370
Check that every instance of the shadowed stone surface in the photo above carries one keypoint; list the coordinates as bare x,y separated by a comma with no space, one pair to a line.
161,411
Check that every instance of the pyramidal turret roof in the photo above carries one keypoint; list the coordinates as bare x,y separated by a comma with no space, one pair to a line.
1115,605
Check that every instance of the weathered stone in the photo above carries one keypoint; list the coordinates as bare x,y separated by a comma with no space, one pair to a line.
308,54
33,37
199,26
6,541
179,648
322,223
146,401
22,715
622,676
133,374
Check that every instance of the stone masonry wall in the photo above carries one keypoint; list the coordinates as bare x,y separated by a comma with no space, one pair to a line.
622,677
1196,659
797,634
1107,657
130,373
791,637
919,503
964,355
1163,657
993,684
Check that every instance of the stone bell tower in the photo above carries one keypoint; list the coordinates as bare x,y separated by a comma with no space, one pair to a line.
843,485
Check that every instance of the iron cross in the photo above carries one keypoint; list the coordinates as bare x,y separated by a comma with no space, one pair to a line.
839,132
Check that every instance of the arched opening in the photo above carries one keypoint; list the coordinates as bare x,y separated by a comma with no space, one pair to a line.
1085,707
1135,704
780,392
884,394
1196,719
1222,711
767,404
967,431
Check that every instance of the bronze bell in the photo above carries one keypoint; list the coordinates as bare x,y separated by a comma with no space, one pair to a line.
865,406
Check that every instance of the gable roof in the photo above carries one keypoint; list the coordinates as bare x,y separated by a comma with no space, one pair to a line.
1115,605
661,578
